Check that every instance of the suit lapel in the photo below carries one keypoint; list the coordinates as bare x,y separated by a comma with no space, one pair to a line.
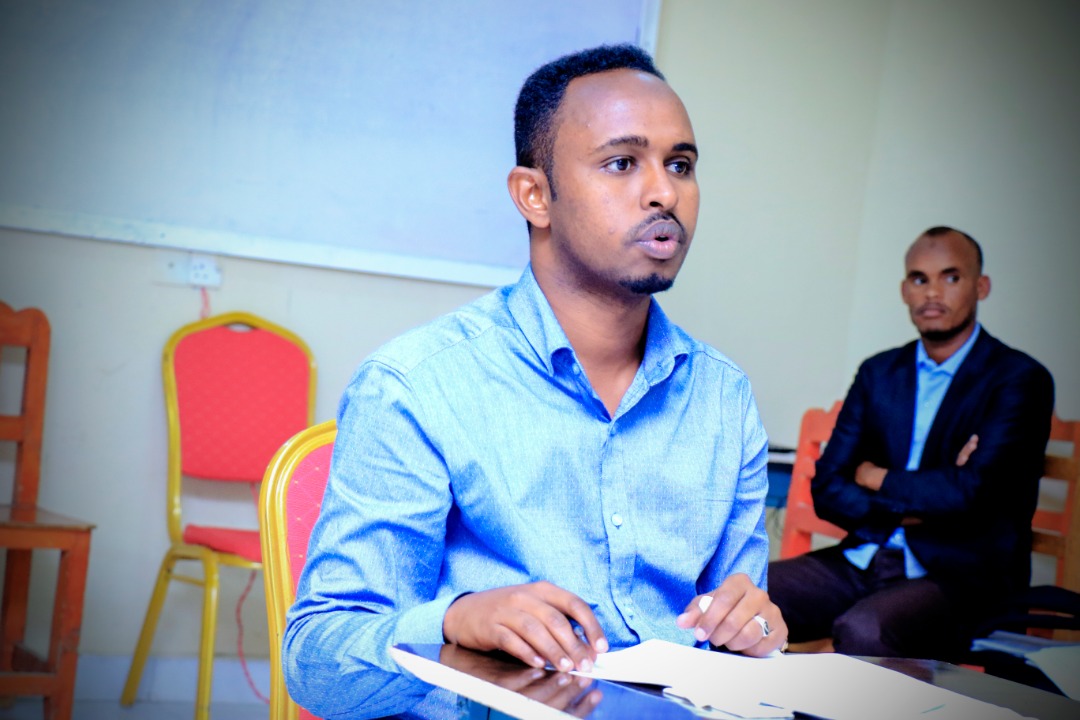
902,407
970,374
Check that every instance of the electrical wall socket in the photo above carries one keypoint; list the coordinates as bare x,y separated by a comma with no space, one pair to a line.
176,267
203,271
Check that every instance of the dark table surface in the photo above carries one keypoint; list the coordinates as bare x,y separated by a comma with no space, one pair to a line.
578,697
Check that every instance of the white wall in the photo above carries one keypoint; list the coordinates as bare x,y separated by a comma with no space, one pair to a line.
832,133
783,97
978,128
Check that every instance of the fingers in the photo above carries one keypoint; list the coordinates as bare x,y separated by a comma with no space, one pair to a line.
730,615
562,692
776,638
547,628
965,452
569,693
584,705
869,475
579,612
534,623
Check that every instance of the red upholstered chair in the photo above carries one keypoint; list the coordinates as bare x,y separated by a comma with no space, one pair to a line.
801,523
26,528
291,497
236,388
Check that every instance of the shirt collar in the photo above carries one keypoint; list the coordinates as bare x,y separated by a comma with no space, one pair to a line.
952,363
664,341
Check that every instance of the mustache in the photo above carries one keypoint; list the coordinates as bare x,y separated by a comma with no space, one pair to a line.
642,226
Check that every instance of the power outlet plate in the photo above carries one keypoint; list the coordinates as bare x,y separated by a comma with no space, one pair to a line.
176,267
203,271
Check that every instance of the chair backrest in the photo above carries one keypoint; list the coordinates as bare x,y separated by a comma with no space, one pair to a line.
1053,529
27,329
289,504
236,387
801,523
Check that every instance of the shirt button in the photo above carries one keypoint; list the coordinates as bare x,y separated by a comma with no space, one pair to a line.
616,520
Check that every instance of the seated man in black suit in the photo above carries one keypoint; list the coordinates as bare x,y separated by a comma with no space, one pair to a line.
933,470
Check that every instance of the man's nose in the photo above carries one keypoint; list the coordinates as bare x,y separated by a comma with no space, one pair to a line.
659,191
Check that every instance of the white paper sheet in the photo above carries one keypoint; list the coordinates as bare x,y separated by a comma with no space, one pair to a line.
1062,665
826,685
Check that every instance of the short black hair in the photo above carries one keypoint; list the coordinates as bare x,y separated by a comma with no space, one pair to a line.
543,91
939,230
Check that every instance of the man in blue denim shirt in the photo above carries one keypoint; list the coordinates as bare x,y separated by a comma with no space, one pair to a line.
555,469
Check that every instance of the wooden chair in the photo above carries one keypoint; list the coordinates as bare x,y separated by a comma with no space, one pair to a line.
24,528
291,497
1052,611
801,523
236,387
1053,530
1048,611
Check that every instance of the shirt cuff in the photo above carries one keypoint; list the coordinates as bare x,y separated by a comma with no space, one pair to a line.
423,624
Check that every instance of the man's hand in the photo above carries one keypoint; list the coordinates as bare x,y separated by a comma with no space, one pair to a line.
869,475
965,452
730,618
568,693
530,622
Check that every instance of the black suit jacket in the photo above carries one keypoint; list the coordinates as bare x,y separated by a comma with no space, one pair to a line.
975,529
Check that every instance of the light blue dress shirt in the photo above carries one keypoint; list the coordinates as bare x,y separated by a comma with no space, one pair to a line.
932,381
473,453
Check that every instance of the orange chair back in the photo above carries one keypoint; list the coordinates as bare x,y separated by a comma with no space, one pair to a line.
1053,531
236,387
27,329
801,523
292,494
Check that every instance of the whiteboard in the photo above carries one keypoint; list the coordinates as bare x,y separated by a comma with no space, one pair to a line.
361,135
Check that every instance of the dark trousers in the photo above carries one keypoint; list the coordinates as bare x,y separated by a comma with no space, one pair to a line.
877,611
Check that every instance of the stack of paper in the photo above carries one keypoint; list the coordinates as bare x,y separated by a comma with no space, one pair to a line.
1016,644
1057,660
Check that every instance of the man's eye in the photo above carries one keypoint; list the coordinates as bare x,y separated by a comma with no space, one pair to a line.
620,164
918,281
680,167
953,279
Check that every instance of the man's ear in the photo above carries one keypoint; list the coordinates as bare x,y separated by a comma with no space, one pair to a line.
529,190
983,285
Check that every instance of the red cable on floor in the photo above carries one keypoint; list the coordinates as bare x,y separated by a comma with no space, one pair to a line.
240,618
240,639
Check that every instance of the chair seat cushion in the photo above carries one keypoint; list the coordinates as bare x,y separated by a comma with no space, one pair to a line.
244,543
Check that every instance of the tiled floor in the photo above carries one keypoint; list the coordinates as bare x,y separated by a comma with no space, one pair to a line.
31,709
